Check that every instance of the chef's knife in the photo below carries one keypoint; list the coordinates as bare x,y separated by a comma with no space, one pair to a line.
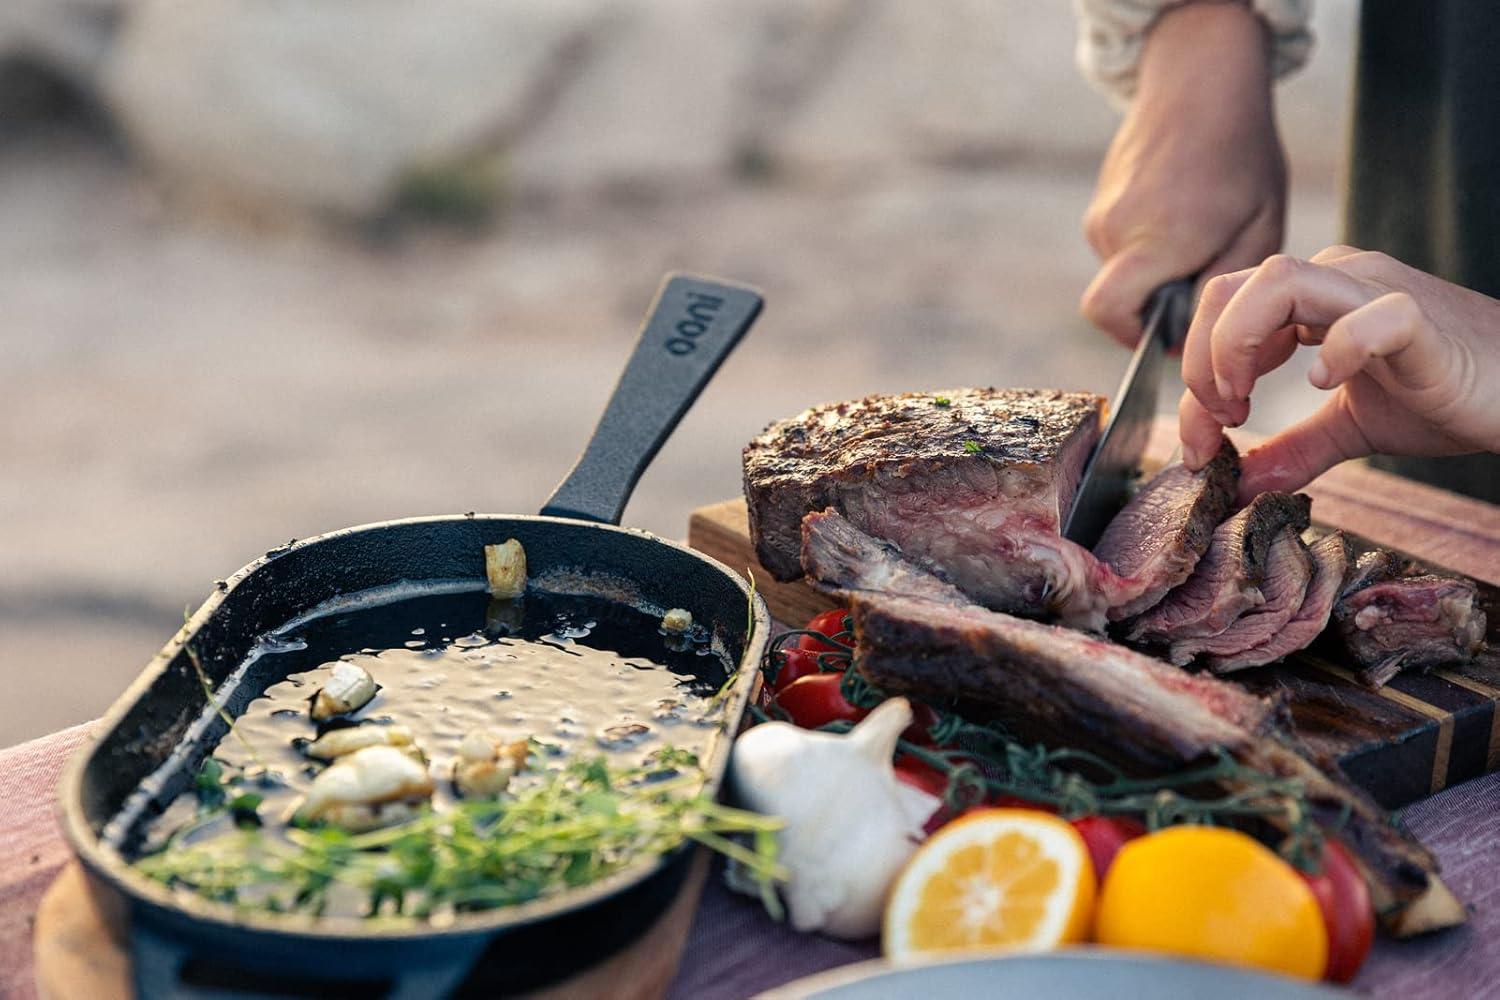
1116,461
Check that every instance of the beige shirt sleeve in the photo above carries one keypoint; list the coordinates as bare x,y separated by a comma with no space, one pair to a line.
1111,32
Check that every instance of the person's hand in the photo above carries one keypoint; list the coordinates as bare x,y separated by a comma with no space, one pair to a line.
1195,180
1412,362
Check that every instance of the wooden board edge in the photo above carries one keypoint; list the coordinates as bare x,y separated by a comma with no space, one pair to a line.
722,531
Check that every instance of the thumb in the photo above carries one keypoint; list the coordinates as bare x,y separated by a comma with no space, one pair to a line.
1114,299
1298,455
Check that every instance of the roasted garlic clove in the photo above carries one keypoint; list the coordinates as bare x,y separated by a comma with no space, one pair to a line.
371,787
340,742
348,690
505,568
485,764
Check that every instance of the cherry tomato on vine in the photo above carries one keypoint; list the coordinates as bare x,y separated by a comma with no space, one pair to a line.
830,623
795,665
1344,898
812,702
923,718
1104,836
1016,802
920,774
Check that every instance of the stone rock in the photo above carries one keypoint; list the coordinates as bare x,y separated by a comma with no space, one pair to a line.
680,89
331,105
952,81
69,38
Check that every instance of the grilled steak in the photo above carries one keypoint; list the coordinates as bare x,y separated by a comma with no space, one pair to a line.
1071,689
1226,582
971,483
1166,527
844,562
1410,622
1055,684
1289,569
1330,556
1373,567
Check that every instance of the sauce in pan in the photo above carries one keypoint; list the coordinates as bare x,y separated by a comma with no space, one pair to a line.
583,677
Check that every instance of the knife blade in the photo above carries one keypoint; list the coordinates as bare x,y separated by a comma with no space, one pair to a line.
1115,462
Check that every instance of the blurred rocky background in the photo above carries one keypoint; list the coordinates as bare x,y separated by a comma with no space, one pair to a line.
273,267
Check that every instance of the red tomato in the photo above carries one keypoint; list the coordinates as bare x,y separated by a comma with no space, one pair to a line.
923,718
795,665
1104,836
1348,914
922,775
812,702
830,623
1014,802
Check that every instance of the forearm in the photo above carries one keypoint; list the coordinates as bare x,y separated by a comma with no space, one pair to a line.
1116,37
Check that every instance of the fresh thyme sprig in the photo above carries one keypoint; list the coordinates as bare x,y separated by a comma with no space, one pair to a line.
571,828
983,760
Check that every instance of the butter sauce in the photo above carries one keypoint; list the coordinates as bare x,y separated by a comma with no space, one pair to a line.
582,675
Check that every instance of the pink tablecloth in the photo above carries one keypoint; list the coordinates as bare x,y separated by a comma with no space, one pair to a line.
735,951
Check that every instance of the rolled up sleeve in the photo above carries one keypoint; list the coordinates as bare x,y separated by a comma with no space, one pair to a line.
1112,32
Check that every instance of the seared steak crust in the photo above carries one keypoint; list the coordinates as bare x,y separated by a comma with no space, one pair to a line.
1226,582
1071,689
973,483
1166,527
1330,556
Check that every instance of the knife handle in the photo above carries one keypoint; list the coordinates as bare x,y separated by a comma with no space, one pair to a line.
1169,312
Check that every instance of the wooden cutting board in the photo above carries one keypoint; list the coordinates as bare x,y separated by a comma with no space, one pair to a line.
1415,736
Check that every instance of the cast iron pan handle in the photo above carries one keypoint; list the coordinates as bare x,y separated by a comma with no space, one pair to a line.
157,964
692,326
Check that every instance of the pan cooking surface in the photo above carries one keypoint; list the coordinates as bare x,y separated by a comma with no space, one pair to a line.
583,676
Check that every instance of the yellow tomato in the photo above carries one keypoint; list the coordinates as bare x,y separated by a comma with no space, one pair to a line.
1215,894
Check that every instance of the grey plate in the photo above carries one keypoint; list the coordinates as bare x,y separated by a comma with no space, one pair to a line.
1080,974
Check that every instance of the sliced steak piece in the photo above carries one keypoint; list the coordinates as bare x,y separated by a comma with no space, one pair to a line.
1166,527
1070,689
1410,622
1226,582
1056,684
844,562
1373,567
1289,569
1330,556
972,483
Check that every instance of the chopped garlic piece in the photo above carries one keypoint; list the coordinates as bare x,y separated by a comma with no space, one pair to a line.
677,620
340,742
372,787
505,567
486,764
348,690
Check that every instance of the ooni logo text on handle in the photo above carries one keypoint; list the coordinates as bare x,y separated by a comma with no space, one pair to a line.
700,314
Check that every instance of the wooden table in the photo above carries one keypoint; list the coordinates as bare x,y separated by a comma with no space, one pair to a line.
734,950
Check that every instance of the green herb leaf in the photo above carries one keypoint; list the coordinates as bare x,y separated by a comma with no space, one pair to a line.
572,827
942,401
973,448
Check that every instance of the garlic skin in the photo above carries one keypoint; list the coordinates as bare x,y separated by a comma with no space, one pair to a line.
850,824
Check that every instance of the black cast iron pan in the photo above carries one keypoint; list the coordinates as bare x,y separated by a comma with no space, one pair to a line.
164,724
